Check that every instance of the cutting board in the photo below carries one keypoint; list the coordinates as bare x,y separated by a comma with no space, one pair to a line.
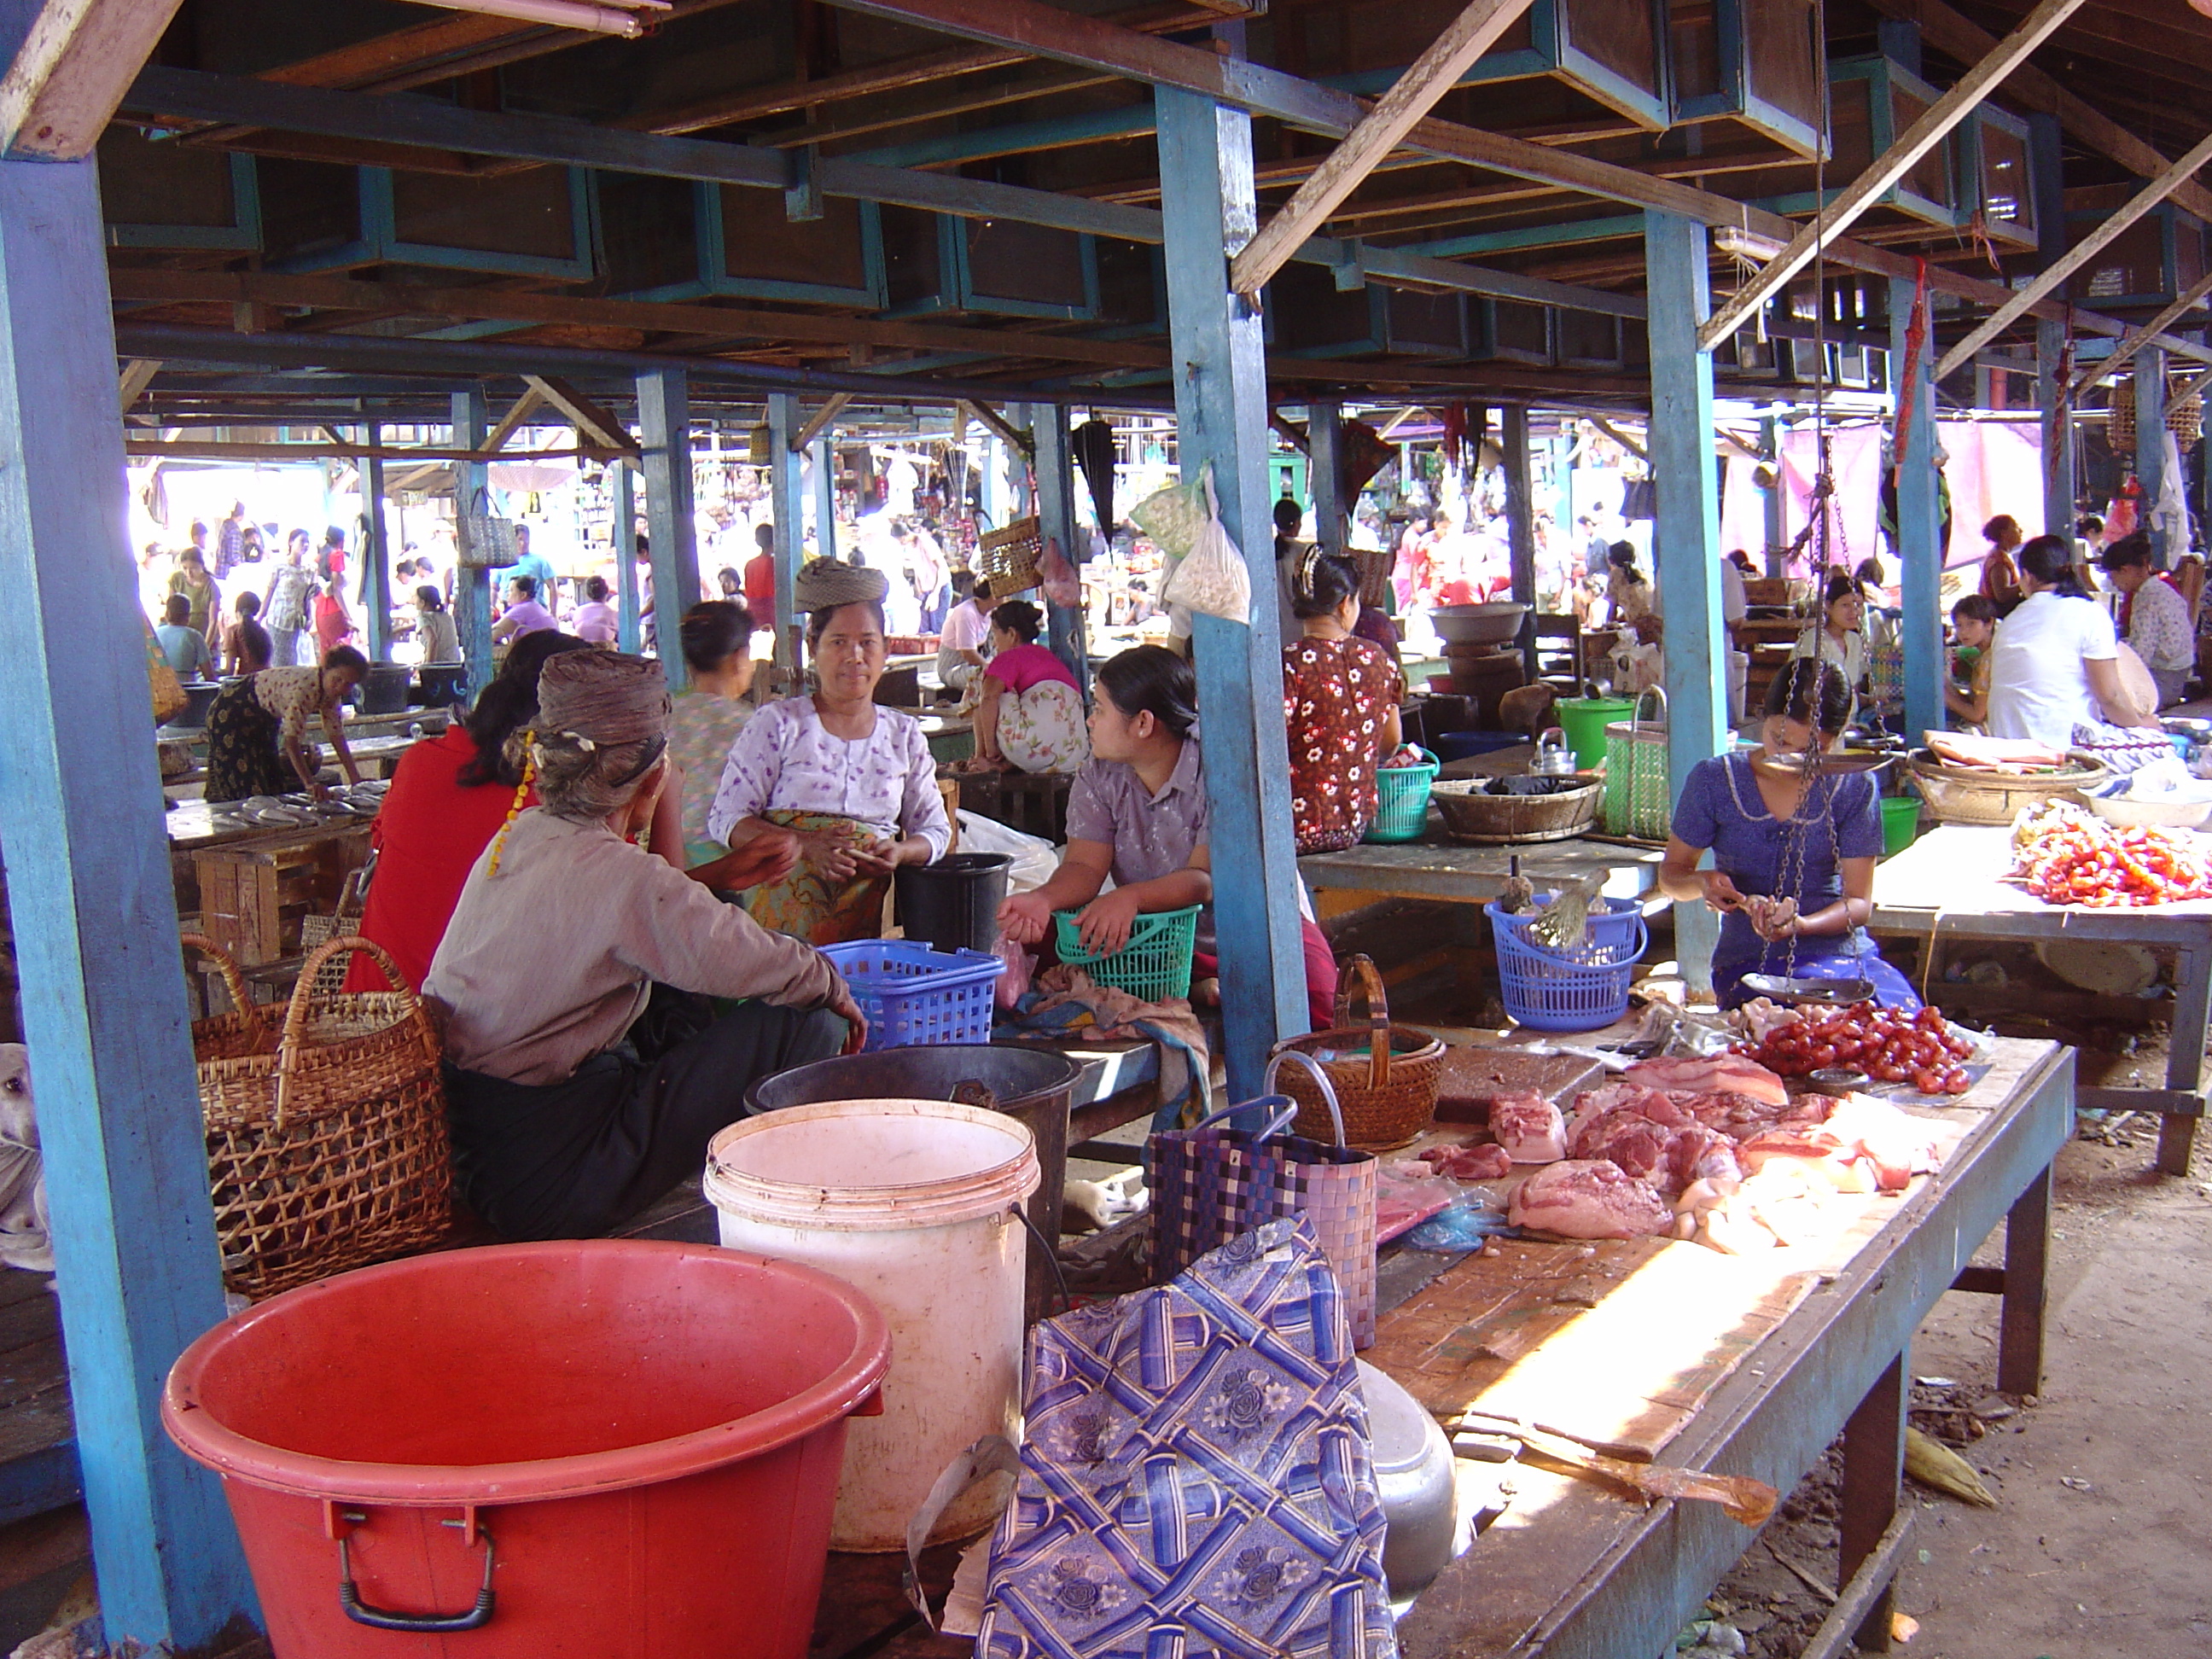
1471,1076
1617,1343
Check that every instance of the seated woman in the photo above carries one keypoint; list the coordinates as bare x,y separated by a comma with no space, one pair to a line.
1340,697
1029,716
585,1067
1973,622
855,780
1840,639
1137,812
965,635
2154,615
434,627
2001,582
258,728
1793,851
2055,675
717,639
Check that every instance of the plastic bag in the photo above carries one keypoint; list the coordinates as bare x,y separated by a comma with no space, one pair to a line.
1062,587
1462,1228
1014,984
1213,580
1173,517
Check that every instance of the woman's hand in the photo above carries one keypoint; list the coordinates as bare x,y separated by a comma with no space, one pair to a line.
770,856
1024,917
840,1004
1103,925
1720,891
1773,919
836,857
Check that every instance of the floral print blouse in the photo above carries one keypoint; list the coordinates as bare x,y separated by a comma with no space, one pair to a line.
1336,695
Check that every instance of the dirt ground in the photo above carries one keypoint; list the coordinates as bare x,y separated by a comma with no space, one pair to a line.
2099,1543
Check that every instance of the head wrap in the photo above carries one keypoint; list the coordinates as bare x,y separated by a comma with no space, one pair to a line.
602,697
825,584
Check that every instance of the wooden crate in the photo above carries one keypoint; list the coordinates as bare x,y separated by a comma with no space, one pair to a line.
252,894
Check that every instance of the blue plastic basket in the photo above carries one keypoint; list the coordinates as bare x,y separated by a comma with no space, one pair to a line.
914,994
1583,990
1402,804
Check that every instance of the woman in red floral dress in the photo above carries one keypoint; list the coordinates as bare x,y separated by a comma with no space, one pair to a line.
1340,697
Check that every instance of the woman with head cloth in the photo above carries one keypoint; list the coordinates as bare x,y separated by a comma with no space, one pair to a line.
855,781
586,1069
1794,848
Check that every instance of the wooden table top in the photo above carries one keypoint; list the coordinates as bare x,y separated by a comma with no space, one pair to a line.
1952,879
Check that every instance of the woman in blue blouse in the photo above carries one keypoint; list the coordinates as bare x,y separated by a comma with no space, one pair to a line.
1793,850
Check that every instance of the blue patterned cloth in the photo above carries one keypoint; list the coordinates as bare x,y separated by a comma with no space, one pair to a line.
1196,1479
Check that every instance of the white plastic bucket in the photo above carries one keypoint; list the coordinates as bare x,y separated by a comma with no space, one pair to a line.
912,1202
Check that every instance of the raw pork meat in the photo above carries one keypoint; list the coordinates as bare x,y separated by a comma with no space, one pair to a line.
1628,1139
1697,1154
1899,1145
1470,1161
1585,1199
1733,1072
1529,1127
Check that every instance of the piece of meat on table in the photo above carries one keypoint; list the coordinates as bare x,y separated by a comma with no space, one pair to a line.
1470,1160
1685,1074
1584,1198
1529,1127
1899,1145
1629,1140
1699,1154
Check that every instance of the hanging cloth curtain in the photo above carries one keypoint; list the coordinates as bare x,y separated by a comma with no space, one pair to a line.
1093,444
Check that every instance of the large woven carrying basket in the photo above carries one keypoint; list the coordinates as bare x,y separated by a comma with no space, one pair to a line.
326,1138
1008,558
1385,1075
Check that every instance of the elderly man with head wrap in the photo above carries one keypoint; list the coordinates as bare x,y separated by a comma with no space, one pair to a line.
586,1067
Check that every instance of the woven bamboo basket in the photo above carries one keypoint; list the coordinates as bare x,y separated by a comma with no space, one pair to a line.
326,1138
2185,418
1008,558
1961,794
2120,419
1385,1075
1374,565
1485,820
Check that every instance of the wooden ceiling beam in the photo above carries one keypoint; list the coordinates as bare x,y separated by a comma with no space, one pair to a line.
74,59
1959,36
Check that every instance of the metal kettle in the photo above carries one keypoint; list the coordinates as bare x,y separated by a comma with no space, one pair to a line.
1553,759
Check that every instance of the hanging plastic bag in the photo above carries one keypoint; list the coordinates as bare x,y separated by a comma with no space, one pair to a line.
1173,517
1213,580
1062,587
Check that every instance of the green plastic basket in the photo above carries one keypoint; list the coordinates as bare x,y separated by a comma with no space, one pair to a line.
1401,804
1155,964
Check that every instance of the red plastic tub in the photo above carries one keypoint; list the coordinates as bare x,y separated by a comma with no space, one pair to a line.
611,1449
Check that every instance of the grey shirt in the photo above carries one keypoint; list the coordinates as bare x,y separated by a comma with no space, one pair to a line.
1151,836
549,962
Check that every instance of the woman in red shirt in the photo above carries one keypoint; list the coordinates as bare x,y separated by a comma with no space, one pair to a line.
1340,697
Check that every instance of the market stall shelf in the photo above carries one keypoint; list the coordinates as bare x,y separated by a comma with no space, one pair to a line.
1950,885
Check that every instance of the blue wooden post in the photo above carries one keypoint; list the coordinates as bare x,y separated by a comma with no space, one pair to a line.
1221,416
664,420
1778,526
994,483
472,584
2060,455
629,634
788,502
1919,527
1059,522
1686,540
825,497
1521,524
376,554
2150,444
95,926
1332,521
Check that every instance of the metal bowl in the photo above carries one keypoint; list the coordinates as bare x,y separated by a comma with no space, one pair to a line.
1840,992
1496,623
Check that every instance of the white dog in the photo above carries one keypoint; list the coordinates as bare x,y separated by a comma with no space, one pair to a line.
26,1236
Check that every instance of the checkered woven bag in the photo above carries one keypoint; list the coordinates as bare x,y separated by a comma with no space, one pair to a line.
1211,1184
1195,1477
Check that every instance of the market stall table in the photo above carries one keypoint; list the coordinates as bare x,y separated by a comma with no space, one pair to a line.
1473,875
1949,885
1573,1571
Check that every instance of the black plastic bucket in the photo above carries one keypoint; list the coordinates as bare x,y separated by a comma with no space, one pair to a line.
954,903
385,691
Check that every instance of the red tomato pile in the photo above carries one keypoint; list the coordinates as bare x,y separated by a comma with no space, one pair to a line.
1889,1044
2095,863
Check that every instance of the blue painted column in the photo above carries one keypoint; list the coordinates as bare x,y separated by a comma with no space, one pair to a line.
788,502
1687,536
994,483
471,585
1059,522
664,421
1778,526
623,532
2060,464
95,926
1919,527
1221,416
2150,445
1521,524
1332,514
825,497
376,554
